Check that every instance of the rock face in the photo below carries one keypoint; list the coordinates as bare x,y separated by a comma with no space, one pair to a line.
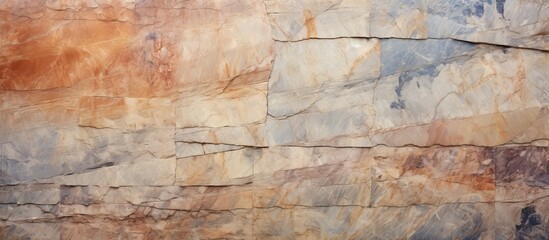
274,119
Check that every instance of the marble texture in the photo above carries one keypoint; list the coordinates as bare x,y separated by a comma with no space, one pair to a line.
522,191
505,22
274,119
320,177
397,92
462,221
433,177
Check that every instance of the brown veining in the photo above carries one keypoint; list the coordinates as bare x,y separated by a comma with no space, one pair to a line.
310,23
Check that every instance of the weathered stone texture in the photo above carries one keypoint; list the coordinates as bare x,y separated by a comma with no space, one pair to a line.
274,119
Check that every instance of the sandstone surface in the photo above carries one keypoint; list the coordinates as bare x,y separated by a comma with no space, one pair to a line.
274,119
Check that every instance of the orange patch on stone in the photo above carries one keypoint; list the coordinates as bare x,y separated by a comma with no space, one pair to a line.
48,54
310,24
146,68
484,182
227,70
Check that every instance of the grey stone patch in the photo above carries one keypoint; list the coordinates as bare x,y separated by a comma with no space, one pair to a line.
532,225
400,55
52,151
500,6
454,221
83,195
431,71
29,194
415,58
37,231
447,18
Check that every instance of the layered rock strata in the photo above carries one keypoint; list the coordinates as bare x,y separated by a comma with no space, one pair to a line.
224,119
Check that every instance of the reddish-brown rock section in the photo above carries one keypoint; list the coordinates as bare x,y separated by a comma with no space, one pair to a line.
271,119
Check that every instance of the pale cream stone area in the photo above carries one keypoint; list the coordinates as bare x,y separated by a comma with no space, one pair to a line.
217,169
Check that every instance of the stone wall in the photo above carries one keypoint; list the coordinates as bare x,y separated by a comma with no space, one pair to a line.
274,119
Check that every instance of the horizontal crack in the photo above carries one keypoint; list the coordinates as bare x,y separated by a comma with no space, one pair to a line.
412,39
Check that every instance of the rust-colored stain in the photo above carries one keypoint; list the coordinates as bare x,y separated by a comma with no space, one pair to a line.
362,58
44,71
98,56
50,54
427,163
438,132
227,70
478,183
310,24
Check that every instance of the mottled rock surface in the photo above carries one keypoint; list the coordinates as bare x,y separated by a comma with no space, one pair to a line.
503,22
274,119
